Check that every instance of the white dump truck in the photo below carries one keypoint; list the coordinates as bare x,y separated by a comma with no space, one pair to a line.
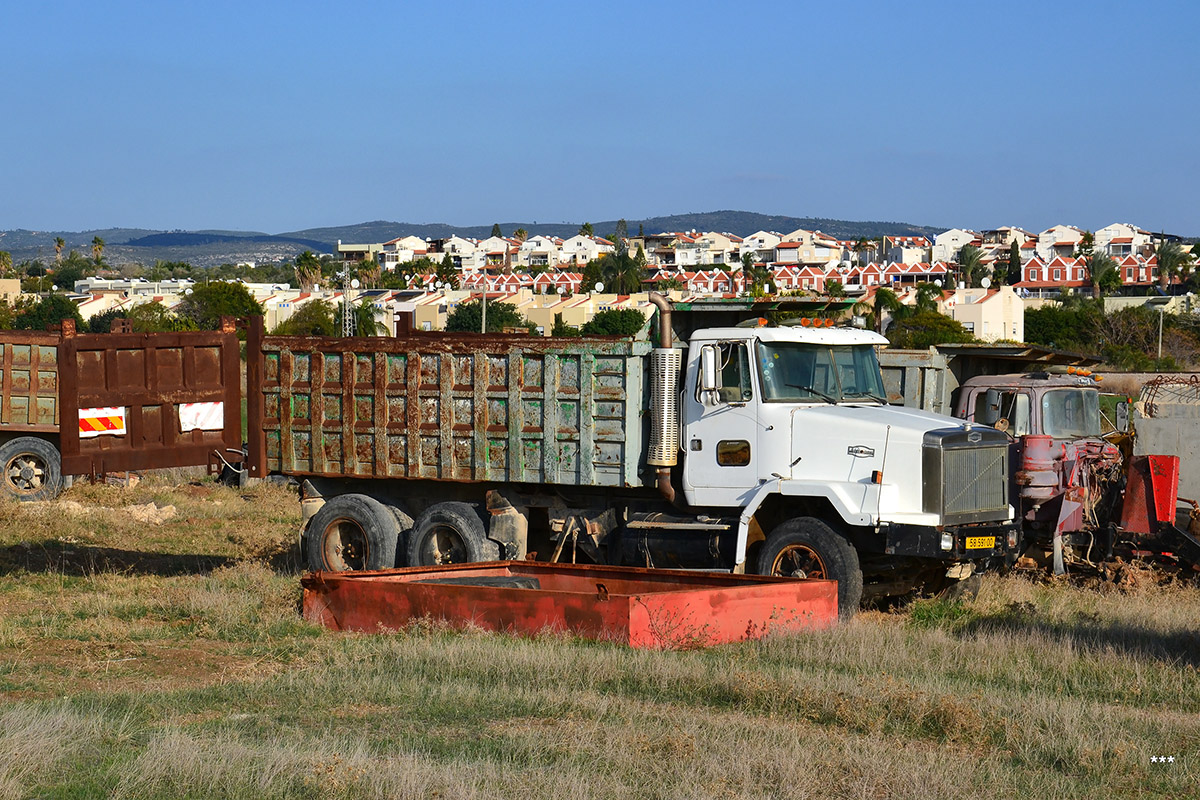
767,449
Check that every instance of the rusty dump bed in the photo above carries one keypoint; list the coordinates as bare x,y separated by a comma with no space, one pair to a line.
504,408
659,609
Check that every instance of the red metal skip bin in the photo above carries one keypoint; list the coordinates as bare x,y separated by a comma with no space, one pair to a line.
647,608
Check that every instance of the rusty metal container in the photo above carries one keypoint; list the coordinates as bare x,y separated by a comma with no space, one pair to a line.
29,382
644,608
460,407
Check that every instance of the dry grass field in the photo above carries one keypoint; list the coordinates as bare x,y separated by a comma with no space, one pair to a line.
155,651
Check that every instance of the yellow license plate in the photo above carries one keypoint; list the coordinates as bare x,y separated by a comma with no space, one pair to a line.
981,542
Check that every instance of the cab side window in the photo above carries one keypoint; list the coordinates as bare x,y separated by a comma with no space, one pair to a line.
733,373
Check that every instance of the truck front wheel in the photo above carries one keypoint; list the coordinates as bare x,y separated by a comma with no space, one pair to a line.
32,469
808,548
449,533
352,532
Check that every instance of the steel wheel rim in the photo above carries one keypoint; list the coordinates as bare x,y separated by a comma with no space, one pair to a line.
799,561
24,472
345,545
443,545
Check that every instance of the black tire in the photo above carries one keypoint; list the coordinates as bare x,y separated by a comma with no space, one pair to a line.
405,523
808,548
449,533
32,469
352,532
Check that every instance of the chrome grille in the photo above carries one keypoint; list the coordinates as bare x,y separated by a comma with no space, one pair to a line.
965,476
974,480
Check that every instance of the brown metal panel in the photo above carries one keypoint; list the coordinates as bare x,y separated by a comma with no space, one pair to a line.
123,370
255,425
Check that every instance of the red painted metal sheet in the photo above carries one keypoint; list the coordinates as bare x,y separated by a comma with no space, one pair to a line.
644,608
1151,493
1164,479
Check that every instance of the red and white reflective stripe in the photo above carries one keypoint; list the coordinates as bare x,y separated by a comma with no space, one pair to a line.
201,416
101,422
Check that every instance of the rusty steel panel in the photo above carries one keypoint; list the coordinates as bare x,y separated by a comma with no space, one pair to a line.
29,381
643,608
150,376
917,379
441,406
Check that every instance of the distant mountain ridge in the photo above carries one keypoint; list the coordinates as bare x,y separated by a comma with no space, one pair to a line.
739,223
213,247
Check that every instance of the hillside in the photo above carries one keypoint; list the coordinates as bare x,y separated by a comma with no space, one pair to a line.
212,247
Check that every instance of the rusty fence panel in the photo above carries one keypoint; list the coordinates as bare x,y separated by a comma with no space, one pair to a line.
163,390
29,381
447,407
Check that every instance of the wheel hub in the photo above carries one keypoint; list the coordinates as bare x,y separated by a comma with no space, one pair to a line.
799,561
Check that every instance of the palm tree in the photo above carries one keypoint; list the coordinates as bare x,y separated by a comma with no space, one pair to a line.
970,261
1102,269
365,323
886,302
59,244
1172,260
308,270
97,249
927,296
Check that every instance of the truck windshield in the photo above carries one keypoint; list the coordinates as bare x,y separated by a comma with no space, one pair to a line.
794,372
1071,413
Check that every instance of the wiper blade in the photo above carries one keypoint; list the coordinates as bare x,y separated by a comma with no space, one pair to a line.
811,390
869,395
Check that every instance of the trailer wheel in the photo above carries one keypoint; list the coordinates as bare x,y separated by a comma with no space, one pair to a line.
808,548
352,532
32,470
449,533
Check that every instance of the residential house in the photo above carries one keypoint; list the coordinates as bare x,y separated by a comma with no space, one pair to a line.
947,244
718,248
401,250
988,314
557,282
580,249
808,247
658,247
540,251
907,249
1122,239
760,245
355,253
1061,240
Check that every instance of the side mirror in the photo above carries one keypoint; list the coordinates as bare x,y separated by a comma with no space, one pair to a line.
990,413
708,368
1123,416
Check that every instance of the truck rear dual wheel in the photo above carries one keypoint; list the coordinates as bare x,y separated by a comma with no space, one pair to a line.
449,533
32,469
808,548
353,532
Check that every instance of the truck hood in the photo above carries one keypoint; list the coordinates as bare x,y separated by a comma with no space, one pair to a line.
849,442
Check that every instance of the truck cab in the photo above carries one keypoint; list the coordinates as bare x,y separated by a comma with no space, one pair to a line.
1063,407
790,422
1068,478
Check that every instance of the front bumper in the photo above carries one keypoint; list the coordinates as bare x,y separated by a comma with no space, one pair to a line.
922,541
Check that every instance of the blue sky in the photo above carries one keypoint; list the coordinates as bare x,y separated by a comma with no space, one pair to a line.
283,116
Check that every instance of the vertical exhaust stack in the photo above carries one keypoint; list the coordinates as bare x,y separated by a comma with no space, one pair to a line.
665,362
